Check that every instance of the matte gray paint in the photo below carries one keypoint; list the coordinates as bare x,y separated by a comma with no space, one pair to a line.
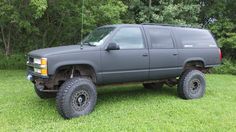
129,65
163,62
70,55
125,65
117,65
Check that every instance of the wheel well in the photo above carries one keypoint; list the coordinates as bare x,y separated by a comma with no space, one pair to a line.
198,64
65,72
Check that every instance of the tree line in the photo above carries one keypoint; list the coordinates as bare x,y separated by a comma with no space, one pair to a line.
32,24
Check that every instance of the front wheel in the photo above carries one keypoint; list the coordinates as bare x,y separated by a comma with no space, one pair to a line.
76,97
191,85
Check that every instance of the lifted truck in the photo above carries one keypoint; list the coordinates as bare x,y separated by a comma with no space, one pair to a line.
148,53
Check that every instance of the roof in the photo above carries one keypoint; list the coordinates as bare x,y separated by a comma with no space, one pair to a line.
153,24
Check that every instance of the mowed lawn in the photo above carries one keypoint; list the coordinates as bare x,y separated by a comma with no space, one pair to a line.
121,108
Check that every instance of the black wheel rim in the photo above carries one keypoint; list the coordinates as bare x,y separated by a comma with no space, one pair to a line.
80,100
195,85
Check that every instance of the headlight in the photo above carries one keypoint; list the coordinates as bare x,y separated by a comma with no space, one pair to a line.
42,63
37,70
37,61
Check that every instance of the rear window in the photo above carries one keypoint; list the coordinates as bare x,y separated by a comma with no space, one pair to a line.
195,38
160,38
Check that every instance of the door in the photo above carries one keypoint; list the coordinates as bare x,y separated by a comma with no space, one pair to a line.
131,62
163,54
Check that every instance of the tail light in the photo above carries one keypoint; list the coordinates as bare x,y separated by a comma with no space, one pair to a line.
220,54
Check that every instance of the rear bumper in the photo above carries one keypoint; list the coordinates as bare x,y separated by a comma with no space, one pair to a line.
210,66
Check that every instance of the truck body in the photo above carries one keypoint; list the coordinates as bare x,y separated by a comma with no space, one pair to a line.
123,53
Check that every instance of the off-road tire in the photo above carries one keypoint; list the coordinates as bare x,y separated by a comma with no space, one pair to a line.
191,85
45,95
158,85
73,93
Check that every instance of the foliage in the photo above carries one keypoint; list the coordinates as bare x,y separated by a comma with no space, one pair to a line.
164,11
121,108
39,7
16,19
228,67
32,24
219,17
26,25
15,61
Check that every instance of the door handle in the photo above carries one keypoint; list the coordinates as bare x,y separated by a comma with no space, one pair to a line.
175,54
145,54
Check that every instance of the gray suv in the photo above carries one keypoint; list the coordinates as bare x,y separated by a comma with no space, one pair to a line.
152,54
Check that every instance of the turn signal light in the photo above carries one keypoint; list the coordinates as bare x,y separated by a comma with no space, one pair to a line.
43,61
44,72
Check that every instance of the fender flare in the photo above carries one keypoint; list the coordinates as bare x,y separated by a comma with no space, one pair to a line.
55,67
194,59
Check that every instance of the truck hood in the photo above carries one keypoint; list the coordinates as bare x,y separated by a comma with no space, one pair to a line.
61,50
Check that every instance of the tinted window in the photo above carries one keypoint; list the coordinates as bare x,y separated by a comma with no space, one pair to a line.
195,38
129,38
160,38
98,36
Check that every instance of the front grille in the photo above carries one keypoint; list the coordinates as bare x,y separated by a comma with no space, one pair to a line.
31,60
31,69
30,63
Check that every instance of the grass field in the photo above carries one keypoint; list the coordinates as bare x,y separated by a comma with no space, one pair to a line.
121,108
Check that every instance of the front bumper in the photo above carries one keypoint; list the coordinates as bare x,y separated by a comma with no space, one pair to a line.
29,77
32,76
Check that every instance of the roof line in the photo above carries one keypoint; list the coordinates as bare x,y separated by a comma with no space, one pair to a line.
172,25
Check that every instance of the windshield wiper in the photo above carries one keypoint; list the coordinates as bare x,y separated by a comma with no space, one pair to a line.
88,43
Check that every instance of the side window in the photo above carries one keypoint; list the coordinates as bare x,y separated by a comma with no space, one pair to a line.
195,38
160,38
129,38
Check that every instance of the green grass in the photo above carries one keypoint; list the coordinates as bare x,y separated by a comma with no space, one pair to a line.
121,108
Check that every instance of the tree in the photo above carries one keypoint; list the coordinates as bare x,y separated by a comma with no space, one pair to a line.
33,24
171,12
16,16
220,17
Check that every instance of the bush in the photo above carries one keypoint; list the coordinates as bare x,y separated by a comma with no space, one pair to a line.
15,61
228,67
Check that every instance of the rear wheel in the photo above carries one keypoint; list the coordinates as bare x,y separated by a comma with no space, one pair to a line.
158,85
76,97
44,95
191,85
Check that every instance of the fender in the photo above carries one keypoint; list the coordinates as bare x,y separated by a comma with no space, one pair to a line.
54,68
194,59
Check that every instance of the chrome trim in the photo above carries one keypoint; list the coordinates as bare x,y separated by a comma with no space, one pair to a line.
30,77
39,66
34,74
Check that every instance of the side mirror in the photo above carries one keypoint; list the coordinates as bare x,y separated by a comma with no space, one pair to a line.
113,46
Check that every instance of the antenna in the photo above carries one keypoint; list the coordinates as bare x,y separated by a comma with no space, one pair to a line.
149,10
82,25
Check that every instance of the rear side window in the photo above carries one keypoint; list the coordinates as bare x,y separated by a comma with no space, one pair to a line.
195,38
160,38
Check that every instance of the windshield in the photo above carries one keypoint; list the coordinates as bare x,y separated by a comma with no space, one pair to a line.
98,36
